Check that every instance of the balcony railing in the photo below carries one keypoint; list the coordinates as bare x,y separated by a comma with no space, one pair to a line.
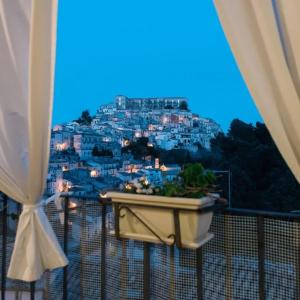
254,255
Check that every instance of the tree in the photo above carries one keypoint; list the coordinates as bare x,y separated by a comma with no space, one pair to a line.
183,105
140,149
101,152
85,118
174,156
260,176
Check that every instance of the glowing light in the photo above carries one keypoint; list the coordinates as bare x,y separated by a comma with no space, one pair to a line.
68,186
165,120
125,143
128,187
164,168
60,186
133,170
61,147
137,134
156,163
72,204
94,173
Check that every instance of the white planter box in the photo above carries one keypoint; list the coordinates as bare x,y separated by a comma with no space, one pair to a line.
158,219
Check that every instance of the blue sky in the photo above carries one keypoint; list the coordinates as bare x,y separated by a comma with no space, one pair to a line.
145,48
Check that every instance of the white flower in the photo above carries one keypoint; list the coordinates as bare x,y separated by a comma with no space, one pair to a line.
138,185
150,191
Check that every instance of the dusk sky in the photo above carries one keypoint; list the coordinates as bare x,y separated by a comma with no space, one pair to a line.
146,48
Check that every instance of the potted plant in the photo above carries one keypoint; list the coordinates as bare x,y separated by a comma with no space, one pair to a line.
178,212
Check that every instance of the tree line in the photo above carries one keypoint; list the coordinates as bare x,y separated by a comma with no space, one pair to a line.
260,177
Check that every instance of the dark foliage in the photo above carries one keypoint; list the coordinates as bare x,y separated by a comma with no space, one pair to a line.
101,152
140,149
260,176
85,118
183,105
174,156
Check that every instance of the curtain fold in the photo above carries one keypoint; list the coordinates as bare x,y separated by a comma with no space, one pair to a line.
27,58
264,37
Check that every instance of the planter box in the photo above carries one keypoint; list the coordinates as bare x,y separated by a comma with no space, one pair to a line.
156,219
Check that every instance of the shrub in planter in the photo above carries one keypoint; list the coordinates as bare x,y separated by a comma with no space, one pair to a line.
169,214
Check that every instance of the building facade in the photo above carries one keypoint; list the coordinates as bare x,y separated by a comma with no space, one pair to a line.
125,103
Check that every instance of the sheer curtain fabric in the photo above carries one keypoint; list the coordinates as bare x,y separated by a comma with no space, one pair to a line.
27,57
264,36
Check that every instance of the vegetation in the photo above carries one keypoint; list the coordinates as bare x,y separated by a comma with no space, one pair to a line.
85,118
140,149
101,152
260,176
183,105
193,182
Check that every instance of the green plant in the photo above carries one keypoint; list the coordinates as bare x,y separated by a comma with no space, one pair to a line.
193,182
172,189
197,181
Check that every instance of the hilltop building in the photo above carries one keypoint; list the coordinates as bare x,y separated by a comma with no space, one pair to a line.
125,103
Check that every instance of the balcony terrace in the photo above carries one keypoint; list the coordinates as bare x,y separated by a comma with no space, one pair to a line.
254,255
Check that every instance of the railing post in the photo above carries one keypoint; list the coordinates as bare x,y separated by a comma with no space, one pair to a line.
261,256
32,290
124,271
82,246
228,258
297,257
117,220
146,271
172,291
4,250
199,258
103,252
66,238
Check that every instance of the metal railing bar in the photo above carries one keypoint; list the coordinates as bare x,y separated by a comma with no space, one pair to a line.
103,253
66,238
32,290
261,256
264,213
172,291
233,211
146,271
297,257
228,258
4,247
199,263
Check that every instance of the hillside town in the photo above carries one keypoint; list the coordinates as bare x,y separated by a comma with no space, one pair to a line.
87,155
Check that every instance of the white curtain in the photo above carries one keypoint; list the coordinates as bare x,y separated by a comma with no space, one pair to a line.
264,36
27,56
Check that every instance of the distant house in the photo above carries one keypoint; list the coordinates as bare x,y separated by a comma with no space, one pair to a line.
85,142
103,165
170,172
61,139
